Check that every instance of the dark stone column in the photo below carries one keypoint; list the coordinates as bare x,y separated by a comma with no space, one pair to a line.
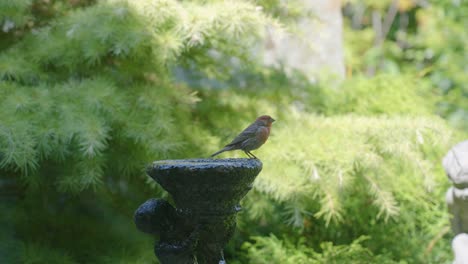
206,193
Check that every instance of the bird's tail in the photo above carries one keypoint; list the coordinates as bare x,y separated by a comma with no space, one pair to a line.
219,152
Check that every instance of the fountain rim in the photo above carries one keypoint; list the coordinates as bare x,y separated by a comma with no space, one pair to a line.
204,163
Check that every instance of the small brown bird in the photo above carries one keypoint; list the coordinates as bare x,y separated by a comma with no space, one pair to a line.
253,137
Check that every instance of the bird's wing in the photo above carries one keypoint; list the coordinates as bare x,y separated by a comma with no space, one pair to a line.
249,132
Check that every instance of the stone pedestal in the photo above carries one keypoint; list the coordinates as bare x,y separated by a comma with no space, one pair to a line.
456,167
206,194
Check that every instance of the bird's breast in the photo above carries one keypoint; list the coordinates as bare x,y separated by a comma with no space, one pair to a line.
263,134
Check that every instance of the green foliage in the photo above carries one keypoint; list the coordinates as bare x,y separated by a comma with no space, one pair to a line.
286,11
14,13
74,116
382,94
377,150
421,39
370,146
36,254
87,100
442,23
74,122
273,250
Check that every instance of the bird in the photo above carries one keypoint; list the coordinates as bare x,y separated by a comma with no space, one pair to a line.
253,137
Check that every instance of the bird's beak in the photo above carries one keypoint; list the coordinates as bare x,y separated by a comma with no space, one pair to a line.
272,120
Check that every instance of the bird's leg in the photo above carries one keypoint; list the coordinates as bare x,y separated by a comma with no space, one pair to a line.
252,155
248,154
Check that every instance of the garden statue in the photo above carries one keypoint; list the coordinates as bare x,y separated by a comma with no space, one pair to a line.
456,167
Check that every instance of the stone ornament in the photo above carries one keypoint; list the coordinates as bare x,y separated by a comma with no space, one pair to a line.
456,166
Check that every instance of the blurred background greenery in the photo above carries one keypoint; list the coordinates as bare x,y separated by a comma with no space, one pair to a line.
92,91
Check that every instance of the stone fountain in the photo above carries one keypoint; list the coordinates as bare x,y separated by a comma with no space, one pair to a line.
206,195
